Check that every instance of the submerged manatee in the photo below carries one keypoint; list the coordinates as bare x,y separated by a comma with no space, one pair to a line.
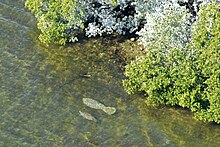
93,103
87,116
109,110
97,105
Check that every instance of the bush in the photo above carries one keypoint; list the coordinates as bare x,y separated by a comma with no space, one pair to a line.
167,27
59,21
187,76
181,66
62,21
206,45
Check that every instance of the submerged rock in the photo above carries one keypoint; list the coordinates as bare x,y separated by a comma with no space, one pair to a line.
97,105
87,116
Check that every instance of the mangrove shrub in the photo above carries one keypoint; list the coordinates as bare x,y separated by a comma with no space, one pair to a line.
187,76
62,21
181,65
58,20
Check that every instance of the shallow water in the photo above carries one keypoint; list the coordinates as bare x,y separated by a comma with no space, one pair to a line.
41,91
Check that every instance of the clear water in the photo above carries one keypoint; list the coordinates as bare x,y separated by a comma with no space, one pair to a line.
41,91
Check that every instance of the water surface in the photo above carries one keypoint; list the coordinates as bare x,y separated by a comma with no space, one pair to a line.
41,91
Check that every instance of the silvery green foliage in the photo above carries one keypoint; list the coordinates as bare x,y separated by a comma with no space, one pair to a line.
108,19
146,6
103,21
166,27
62,21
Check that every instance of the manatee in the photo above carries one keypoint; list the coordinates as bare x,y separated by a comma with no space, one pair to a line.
93,103
97,105
87,116
109,110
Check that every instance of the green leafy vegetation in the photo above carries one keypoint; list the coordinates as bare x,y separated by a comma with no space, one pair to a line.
206,45
187,77
58,20
179,64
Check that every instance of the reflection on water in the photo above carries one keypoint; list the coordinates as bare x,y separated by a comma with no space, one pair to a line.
41,91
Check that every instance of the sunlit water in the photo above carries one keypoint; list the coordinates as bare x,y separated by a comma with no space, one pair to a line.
41,91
